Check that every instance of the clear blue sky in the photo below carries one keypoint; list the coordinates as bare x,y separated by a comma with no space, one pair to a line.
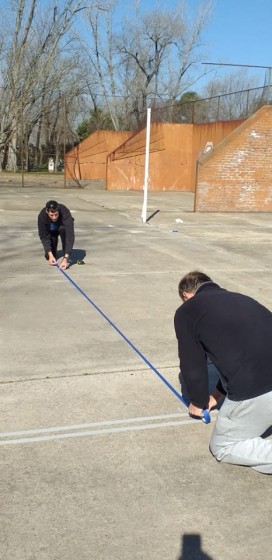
239,32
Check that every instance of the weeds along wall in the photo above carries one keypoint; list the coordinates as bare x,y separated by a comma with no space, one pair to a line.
237,174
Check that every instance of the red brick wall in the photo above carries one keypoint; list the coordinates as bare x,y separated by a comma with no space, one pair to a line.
237,174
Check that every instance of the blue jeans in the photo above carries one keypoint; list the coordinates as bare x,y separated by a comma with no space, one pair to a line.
54,240
213,380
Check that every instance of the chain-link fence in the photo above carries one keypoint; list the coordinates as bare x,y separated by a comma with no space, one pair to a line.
37,137
229,106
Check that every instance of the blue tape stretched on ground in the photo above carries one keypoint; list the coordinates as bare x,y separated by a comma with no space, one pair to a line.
206,416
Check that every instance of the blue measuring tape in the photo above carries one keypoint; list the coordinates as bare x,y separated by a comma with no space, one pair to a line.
206,416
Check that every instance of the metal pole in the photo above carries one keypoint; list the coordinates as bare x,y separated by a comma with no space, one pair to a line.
218,107
147,144
64,139
269,86
22,141
247,103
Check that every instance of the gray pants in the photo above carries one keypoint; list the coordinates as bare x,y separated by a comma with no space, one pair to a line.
236,437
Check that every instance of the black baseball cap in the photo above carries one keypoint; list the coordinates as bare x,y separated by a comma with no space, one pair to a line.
52,205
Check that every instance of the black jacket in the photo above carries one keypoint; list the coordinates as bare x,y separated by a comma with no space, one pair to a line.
65,220
235,331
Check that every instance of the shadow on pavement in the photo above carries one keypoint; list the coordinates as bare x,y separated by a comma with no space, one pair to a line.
77,256
191,548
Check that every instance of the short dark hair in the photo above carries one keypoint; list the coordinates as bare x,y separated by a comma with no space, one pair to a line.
191,282
52,205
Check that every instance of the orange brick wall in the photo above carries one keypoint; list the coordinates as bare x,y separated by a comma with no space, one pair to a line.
237,174
88,159
170,159
174,149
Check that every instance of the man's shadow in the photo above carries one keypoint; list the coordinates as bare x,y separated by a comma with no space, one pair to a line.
191,548
77,256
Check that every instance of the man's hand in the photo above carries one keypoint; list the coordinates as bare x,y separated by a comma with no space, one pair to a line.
51,259
212,403
64,263
214,399
194,411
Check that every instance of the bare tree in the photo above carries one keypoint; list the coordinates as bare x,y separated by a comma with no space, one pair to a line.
147,59
32,67
159,50
42,69
232,95
102,57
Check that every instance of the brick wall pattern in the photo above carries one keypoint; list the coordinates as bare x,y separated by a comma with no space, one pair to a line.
236,176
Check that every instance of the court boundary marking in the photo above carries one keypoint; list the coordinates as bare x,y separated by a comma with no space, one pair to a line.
81,430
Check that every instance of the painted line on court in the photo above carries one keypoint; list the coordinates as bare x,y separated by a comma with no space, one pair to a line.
93,424
69,433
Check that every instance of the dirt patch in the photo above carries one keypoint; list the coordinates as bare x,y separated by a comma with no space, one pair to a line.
31,179
55,180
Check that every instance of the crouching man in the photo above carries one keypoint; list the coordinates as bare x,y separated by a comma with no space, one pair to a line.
235,332
54,221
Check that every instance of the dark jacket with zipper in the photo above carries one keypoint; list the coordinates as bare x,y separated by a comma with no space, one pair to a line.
65,220
235,332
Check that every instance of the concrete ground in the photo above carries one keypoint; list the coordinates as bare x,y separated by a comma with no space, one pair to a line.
97,462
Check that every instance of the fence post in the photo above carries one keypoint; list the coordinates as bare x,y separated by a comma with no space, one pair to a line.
269,86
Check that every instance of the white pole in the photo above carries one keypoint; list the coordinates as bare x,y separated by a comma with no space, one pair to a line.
146,178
